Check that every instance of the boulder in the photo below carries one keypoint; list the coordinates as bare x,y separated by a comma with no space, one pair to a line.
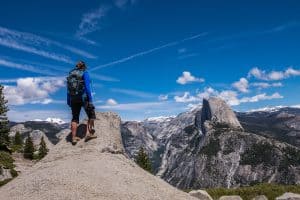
201,194
260,197
233,197
289,196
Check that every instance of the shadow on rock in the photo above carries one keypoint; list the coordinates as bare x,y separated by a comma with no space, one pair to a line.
81,132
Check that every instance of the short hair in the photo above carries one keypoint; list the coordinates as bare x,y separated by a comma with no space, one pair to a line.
81,65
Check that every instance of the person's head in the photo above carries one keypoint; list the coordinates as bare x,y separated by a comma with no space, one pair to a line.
81,65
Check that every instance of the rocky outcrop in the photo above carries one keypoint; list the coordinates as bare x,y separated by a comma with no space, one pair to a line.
200,194
260,197
217,111
289,196
97,169
233,197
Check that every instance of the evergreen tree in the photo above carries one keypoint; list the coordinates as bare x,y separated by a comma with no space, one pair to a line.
4,127
43,148
28,148
143,160
18,139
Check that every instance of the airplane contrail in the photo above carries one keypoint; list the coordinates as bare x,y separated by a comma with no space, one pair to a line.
170,44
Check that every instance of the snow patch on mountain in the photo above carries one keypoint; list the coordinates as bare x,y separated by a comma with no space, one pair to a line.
51,120
160,119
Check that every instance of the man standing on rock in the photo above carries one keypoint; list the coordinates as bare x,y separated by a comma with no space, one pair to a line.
80,95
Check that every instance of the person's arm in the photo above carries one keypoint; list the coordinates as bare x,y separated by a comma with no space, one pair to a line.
87,86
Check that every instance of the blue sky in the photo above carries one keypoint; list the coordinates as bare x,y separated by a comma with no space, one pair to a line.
149,58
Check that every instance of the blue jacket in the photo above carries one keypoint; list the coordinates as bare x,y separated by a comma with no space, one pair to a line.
87,89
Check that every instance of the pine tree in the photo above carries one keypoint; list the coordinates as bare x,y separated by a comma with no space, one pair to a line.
29,148
43,148
4,127
143,160
18,139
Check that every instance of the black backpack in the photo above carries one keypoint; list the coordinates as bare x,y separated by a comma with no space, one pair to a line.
75,82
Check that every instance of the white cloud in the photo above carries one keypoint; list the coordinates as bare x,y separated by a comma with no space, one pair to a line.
264,85
90,21
32,90
231,97
187,77
242,85
273,75
186,98
135,93
163,97
261,97
111,102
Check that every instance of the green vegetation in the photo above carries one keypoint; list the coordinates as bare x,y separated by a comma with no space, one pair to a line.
212,148
17,144
6,161
291,157
257,154
142,159
271,191
4,128
43,150
28,148
13,173
5,181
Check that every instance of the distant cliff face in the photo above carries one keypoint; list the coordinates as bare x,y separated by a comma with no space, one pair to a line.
208,147
282,123
97,169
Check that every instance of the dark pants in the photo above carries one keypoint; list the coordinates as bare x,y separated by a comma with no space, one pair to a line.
76,105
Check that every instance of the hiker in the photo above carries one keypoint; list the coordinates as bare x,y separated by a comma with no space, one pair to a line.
80,95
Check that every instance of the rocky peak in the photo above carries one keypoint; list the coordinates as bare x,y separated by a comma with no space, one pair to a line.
218,112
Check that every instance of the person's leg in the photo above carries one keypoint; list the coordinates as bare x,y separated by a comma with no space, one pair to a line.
90,111
74,126
76,107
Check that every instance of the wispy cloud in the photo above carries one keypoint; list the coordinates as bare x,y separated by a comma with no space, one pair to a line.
135,93
104,78
25,67
15,45
90,22
36,44
143,53
132,106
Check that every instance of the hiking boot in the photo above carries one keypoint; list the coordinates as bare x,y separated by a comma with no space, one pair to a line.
75,140
90,137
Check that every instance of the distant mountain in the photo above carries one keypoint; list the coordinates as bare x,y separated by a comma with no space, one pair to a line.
210,147
281,123
50,129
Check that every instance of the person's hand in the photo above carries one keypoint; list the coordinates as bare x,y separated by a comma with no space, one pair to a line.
90,106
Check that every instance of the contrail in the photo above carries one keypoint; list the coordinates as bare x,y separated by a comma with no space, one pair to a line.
122,60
